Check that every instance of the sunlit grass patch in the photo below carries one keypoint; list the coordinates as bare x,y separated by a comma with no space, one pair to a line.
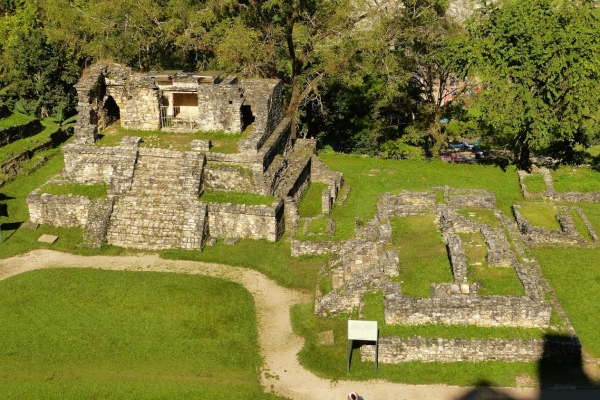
534,183
540,214
481,216
310,203
575,179
423,256
76,189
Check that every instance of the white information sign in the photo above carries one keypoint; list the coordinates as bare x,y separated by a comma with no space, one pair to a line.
362,330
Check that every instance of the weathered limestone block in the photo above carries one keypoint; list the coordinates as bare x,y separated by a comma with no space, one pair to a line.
94,234
244,221
405,204
458,259
228,178
470,198
201,145
66,211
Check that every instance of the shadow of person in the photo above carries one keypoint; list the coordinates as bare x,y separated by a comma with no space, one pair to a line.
560,371
483,390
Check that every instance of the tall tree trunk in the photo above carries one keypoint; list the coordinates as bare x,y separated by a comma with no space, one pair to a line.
523,157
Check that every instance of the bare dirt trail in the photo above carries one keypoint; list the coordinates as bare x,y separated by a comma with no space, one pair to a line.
281,372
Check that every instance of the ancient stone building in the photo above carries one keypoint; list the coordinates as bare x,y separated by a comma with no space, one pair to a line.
154,197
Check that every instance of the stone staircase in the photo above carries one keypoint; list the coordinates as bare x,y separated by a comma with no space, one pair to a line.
298,161
161,209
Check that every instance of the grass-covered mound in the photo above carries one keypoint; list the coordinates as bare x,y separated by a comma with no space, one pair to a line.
86,333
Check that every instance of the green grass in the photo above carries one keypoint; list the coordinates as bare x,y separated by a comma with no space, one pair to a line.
580,225
580,179
592,212
272,259
423,261
222,142
481,216
213,196
540,214
575,278
75,189
495,281
329,361
535,183
318,226
18,147
15,120
310,203
370,177
126,334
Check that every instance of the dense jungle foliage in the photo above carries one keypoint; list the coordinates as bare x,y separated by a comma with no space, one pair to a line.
371,77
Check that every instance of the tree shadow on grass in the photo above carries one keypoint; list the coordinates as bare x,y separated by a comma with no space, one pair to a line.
5,197
9,227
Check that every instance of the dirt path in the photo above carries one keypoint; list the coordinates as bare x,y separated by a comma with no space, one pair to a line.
281,372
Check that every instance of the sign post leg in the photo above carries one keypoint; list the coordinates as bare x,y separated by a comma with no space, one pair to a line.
377,356
349,354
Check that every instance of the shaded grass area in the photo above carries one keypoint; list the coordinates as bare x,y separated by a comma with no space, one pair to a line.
373,311
18,147
222,142
580,225
575,179
500,281
213,196
15,119
329,361
75,189
481,216
126,335
540,214
575,278
310,203
272,259
423,261
534,183
370,177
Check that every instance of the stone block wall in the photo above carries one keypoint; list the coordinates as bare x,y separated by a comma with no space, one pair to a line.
219,106
195,226
539,235
266,103
14,133
94,234
490,311
304,247
65,211
142,109
394,350
244,221
228,178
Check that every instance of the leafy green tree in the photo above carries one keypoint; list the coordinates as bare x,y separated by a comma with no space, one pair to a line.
538,60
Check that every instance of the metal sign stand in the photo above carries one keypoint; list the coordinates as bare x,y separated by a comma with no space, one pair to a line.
365,331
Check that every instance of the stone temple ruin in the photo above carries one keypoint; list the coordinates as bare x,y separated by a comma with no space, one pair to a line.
154,197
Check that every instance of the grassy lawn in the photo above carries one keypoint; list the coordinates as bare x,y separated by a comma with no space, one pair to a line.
213,196
540,214
370,177
14,120
580,225
423,261
592,212
535,183
272,259
104,334
575,278
481,216
75,189
575,179
310,203
222,142
500,281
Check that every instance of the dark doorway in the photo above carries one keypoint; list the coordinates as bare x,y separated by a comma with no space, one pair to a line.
111,110
247,117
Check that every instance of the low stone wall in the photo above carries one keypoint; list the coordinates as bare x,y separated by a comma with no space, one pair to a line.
468,310
14,133
394,350
305,247
244,221
66,211
470,198
94,234
94,164
458,259
228,178
405,204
